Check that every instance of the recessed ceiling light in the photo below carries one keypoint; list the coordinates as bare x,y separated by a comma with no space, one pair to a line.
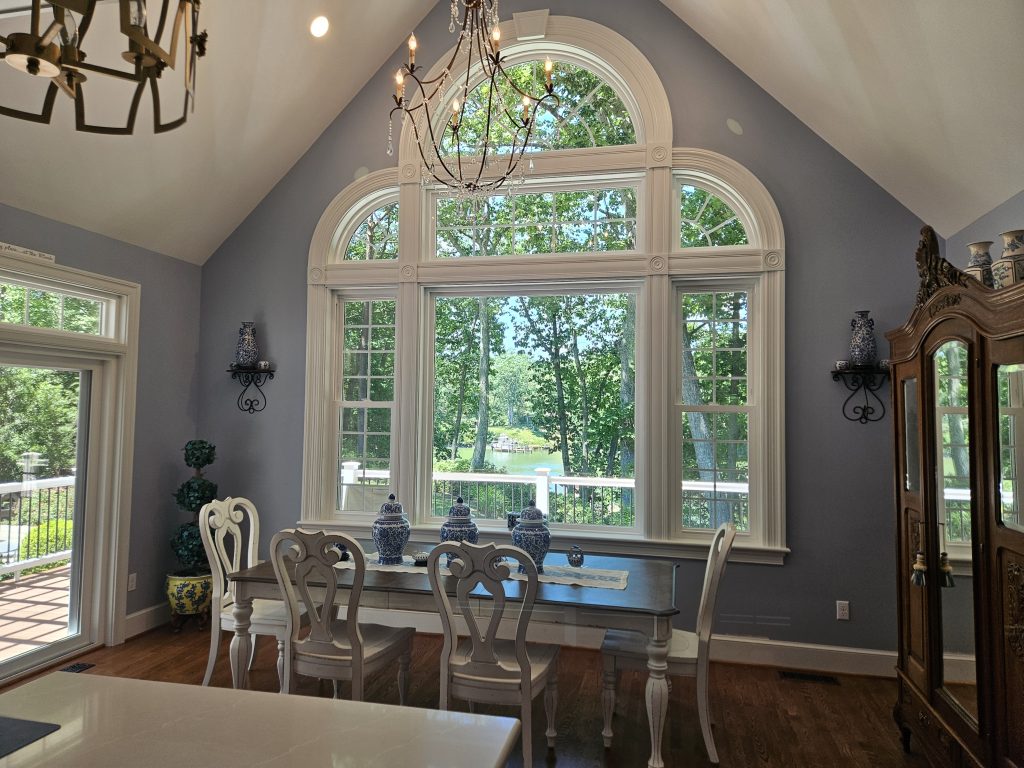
319,26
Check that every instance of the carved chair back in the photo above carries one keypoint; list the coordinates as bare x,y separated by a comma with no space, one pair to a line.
304,565
230,530
483,566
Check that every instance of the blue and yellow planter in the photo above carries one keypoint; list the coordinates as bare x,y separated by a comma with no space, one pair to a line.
189,596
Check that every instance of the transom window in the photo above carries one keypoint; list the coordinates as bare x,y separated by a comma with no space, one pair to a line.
627,387
40,308
572,221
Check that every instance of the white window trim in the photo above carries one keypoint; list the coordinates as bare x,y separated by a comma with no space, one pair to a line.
658,262
113,361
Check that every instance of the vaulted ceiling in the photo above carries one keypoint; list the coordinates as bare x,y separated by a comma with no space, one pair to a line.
923,95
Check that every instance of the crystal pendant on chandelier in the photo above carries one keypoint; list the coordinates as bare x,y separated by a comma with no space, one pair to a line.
468,146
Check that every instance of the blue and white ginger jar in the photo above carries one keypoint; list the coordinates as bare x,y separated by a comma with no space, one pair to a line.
863,349
247,351
531,534
459,526
390,532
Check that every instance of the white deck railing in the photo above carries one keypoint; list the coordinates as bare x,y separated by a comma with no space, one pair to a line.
25,505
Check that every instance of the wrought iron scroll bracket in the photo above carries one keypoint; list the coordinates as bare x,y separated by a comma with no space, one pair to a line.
863,403
252,398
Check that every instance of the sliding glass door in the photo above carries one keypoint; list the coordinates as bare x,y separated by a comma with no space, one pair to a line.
44,422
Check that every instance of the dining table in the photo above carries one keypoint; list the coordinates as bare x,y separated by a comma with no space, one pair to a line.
646,604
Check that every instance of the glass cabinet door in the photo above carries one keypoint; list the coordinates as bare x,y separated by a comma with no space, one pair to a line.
953,518
1010,389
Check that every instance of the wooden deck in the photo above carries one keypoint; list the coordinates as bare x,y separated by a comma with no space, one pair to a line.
33,611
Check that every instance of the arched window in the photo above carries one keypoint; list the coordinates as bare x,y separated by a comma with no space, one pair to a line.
706,220
376,236
512,346
589,113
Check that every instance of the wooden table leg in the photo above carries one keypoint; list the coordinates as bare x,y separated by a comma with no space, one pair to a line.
657,689
241,643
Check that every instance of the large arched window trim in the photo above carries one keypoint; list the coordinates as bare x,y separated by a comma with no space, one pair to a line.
660,269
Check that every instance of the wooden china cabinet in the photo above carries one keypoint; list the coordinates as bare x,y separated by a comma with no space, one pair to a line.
958,397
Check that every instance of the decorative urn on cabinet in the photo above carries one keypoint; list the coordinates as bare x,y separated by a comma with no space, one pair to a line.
390,532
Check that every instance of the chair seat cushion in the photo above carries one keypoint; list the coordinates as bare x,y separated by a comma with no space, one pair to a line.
682,647
541,657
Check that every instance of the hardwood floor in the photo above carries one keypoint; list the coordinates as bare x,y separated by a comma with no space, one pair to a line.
760,720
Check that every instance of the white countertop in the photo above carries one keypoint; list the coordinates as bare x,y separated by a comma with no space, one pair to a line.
113,721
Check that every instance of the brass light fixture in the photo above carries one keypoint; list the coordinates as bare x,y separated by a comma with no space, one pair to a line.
484,156
55,53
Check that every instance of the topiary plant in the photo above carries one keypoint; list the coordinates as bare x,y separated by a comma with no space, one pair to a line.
191,495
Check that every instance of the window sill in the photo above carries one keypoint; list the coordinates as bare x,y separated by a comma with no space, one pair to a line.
595,542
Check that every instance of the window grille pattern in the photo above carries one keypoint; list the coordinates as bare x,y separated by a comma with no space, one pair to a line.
705,220
37,308
589,113
367,400
715,409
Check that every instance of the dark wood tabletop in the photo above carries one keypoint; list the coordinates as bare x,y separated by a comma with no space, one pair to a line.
650,588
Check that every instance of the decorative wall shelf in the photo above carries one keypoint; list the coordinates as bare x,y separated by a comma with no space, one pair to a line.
252,379
863,382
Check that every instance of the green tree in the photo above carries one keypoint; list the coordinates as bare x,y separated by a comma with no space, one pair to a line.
38,413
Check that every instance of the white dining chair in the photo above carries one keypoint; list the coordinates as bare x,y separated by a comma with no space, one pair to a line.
481,668
687,651
230,530
335,648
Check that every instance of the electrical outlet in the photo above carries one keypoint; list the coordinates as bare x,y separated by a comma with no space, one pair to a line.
842,610
131,581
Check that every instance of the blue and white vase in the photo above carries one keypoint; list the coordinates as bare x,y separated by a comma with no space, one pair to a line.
390,532
980,265
247,351
531,534
459,526
1013,249
863,349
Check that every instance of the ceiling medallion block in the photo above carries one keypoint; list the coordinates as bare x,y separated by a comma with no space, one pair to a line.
55,52
470,144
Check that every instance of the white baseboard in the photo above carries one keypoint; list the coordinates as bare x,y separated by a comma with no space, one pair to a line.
836,659
146,619
733,649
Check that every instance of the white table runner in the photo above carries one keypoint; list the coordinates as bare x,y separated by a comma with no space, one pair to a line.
553,574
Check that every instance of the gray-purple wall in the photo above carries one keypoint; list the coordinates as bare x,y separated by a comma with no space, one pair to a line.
849,244
166,394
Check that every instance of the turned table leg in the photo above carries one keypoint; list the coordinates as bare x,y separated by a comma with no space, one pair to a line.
241,643
657,690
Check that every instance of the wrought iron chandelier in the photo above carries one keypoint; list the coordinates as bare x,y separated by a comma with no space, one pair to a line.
55,52
485,155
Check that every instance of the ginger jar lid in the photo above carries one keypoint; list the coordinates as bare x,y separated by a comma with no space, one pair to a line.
531,513
459,510
390,508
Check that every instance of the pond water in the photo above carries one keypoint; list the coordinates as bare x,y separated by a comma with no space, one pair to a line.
520,463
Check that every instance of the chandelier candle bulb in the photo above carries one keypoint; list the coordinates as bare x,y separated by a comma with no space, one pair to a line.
481,153
399,86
